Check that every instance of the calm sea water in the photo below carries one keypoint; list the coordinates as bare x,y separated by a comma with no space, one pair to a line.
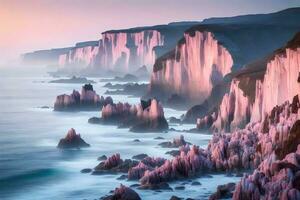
31,167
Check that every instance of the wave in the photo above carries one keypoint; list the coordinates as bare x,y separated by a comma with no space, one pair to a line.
28,178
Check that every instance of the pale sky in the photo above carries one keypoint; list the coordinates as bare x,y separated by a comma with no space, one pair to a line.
28,25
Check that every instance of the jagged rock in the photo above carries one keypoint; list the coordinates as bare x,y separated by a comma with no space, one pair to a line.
173,153
148,163
94,120
290,143
148,116
87,100
140,156
223,192
114,164
122,193
72,140
272,180
175,198
103,157
177,142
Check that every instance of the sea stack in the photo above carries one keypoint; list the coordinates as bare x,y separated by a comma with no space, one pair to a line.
122,193
87,100
72,141
148,116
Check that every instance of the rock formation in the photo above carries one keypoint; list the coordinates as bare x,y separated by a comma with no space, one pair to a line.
122,193
208,55
84,54
254,92
114,164
87,100
72,140
124,51
148,116
177,142
197,63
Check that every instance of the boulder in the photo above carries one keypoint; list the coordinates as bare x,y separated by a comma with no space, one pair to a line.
72,140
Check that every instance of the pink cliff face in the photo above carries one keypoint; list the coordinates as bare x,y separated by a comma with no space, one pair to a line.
201,64
280,84
280,80
129,51
125,52
234,110
79,58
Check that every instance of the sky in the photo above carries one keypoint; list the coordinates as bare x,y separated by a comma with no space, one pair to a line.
28,25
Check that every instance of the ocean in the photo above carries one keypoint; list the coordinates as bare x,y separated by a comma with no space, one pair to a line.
31,167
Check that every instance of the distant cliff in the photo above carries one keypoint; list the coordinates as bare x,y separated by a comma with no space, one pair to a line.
124,50
44,57
82,55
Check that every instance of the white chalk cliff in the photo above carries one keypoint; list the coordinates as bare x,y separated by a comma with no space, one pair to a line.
116,51
79,57
281,83
198,63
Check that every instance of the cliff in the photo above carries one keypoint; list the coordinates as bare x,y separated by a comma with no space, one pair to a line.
260,87
124,50
207,53
217,48
44,57
81,56
197,64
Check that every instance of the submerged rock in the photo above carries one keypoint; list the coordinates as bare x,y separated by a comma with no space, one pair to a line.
72,140
140,156
175,198
177,142
133,89
87,170
174,120
103,157
173,153
122,193
223,192
73,79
